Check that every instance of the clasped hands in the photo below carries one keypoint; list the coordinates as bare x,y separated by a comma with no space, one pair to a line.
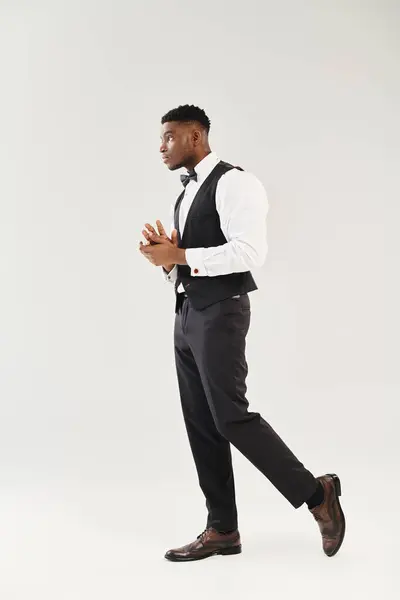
161,250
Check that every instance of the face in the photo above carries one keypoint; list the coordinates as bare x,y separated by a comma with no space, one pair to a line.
178,143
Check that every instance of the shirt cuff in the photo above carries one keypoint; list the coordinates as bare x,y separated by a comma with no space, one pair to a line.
172,275
195,260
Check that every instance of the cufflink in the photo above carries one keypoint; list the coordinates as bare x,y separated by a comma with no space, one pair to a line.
195,271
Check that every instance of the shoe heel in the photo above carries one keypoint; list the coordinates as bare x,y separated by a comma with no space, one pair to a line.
231,550
336,481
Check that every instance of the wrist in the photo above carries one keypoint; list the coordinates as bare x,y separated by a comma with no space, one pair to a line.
179,256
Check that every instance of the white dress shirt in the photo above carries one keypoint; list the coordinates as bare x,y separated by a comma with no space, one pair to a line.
242,205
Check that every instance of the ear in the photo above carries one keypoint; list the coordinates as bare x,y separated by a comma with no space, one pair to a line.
196,137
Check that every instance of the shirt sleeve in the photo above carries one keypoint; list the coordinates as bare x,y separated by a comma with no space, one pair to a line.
242,205
171,277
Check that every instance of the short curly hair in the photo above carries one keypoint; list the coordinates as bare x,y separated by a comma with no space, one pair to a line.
187,113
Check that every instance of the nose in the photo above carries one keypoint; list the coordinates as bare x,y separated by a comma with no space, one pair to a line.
162,147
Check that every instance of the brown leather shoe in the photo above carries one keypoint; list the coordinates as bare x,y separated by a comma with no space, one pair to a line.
207,544
329,515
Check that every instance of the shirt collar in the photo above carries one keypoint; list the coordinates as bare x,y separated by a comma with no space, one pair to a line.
205,166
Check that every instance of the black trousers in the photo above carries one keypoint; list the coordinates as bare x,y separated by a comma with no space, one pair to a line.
212,369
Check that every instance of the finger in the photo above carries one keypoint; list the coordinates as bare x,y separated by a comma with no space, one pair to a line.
160,228
146,234
157,239
148,237
150,248
174,237
150,228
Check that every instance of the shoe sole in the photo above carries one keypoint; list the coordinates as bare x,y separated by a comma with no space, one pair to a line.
221,551
338,492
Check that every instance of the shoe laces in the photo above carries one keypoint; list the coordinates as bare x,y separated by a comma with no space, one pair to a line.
202,534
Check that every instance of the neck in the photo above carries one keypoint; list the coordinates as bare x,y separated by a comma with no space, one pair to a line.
198,158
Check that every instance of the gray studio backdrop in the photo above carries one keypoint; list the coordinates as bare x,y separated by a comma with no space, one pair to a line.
303,94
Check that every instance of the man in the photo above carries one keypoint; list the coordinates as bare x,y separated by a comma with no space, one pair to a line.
218,236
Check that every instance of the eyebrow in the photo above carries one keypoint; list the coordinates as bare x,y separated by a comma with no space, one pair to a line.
167,133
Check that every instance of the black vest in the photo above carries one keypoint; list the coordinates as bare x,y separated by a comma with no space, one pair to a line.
203,230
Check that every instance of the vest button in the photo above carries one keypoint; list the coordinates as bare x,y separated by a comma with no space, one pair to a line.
195,271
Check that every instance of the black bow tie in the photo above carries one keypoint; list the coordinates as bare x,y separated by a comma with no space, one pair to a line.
186,178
